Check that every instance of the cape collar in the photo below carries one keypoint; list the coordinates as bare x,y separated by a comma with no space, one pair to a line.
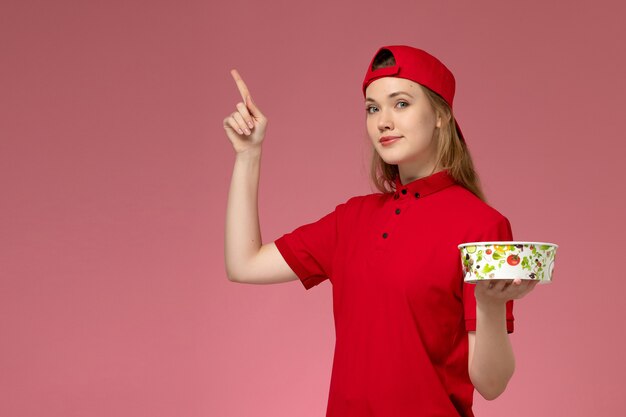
424,186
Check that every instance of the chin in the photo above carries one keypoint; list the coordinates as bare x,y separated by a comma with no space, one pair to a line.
391,161
402,158
389,157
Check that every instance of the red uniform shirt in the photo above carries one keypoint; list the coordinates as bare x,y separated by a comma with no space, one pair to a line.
401,308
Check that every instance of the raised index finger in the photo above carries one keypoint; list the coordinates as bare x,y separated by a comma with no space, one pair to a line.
243,89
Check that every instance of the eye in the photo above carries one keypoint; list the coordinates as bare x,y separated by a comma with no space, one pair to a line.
403,102
369,108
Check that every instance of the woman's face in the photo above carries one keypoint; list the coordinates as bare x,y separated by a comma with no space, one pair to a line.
398,107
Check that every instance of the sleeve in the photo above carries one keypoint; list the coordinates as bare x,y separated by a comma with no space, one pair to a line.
309,249
501,230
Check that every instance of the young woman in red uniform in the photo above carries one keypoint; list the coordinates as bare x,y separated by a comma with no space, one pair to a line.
412,339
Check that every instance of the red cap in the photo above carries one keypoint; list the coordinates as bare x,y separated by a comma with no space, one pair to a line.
419,66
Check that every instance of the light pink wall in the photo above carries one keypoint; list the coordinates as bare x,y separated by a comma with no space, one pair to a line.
114,172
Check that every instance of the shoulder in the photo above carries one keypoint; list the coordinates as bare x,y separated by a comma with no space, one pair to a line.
353,208
472,207
473,220
364,201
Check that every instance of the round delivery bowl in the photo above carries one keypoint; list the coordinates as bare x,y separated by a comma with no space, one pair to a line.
508,260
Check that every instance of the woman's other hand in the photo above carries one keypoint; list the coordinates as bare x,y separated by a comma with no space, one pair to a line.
489,292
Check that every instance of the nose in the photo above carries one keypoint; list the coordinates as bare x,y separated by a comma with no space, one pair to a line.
384,121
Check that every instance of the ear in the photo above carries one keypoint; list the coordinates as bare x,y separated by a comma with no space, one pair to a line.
438,120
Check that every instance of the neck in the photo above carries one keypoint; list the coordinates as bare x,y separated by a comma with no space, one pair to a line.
412,173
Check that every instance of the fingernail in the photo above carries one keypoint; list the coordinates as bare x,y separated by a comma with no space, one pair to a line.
251,125
240,131
247,131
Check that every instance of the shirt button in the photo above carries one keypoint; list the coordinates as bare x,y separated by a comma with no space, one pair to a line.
398,211
417,195
385,235
404,191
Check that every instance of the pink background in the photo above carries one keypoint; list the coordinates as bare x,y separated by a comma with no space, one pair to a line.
114,173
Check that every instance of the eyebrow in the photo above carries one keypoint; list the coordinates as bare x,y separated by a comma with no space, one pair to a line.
397,93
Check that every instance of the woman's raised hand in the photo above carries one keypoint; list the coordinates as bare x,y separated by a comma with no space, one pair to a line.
245,127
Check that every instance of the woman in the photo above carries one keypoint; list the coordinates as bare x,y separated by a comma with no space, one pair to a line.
411,337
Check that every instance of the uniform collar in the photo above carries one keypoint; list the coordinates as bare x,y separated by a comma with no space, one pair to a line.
424,186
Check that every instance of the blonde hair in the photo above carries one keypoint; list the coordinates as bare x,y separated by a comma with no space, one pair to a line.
452,152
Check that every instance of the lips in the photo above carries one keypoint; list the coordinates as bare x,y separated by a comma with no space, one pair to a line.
386,139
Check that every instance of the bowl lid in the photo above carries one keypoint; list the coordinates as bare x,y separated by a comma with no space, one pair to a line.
506,242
